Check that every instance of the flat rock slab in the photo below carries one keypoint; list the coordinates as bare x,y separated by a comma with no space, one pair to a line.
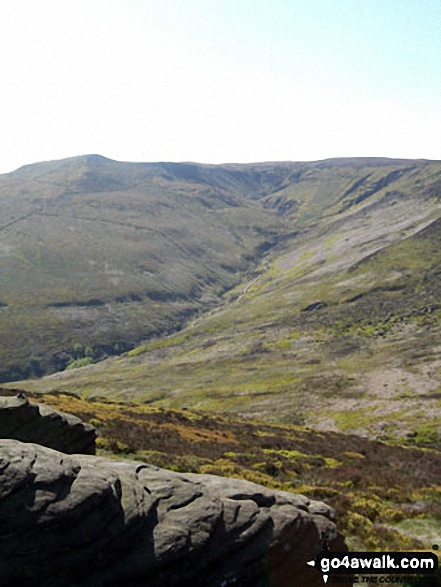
22,420
93,522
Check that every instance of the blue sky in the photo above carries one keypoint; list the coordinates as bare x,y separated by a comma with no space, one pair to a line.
219,81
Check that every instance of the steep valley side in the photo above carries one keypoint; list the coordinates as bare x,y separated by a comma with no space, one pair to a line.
336,328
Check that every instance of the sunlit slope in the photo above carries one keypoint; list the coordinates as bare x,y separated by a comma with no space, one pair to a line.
338,328
97,254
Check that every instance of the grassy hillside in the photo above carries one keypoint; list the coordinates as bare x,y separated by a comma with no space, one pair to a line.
385,497
274,322
337,328
98,255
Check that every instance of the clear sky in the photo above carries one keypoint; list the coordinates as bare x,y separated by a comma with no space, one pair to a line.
219,80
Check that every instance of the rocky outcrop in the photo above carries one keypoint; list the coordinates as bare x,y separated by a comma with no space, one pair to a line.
93,522
28,422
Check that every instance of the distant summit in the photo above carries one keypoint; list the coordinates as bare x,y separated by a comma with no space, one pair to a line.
324,277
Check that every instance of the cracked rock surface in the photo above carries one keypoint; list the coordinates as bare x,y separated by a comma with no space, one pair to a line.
80,520
28,422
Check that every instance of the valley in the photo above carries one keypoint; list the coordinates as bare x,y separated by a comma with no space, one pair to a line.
333,324
277,322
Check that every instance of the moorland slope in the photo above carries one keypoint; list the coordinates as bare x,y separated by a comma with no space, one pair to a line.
385,497
327,314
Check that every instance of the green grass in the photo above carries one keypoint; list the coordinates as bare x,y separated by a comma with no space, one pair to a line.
424,528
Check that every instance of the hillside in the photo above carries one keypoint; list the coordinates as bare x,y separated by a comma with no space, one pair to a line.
98,255
378,504
337,327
